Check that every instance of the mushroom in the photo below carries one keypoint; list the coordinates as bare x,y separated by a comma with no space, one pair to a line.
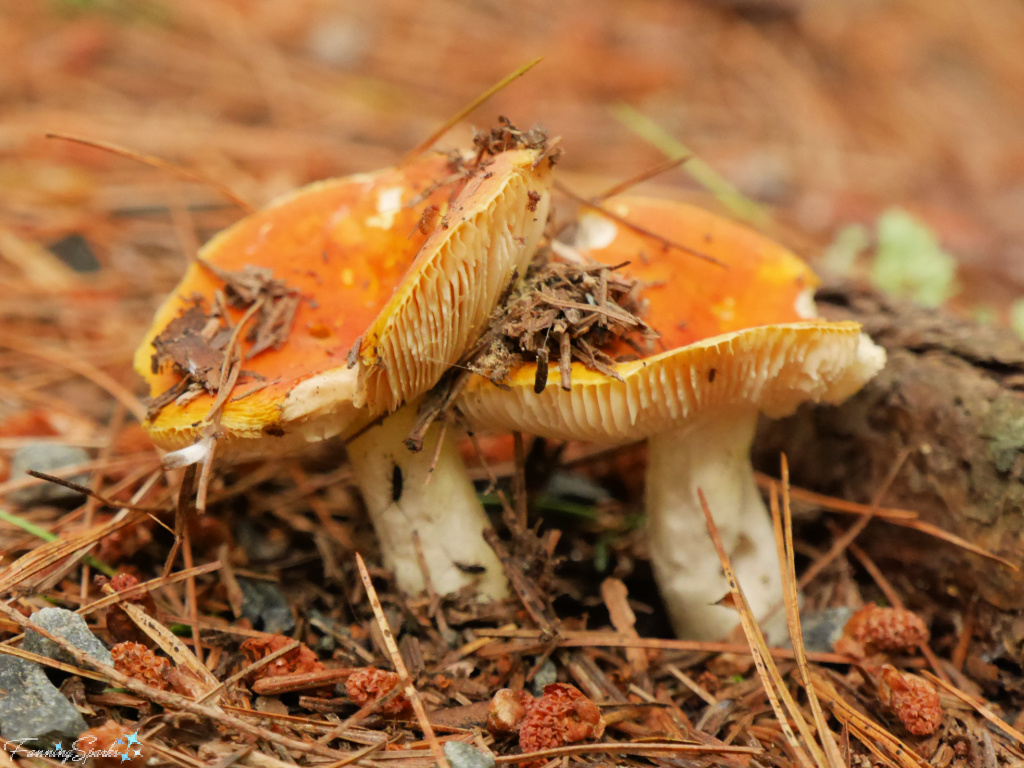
360,264
735,341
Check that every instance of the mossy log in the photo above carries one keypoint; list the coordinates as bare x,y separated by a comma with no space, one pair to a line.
951,399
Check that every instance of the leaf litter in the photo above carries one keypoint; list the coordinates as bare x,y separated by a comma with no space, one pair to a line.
654,721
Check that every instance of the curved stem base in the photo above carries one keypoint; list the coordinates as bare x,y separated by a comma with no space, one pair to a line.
712,454
445,512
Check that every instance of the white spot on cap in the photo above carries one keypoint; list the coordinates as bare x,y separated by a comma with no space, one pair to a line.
594,232
389,202
725,310
804,305
261,235
567,253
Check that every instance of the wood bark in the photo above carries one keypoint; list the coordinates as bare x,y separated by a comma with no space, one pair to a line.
951,399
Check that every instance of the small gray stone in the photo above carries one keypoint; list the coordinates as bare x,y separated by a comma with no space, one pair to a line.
75,251
463,755
573,487
266,606
822,628
48,458
71,627
546,675
32,708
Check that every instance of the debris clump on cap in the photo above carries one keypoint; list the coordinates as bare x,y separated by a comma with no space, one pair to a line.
505,137
196,343
560,312
565,312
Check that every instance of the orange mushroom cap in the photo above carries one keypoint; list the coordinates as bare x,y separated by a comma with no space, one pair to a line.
755,281
344,245
730,332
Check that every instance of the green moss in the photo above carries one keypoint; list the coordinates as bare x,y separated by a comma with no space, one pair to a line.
1007,441
910,263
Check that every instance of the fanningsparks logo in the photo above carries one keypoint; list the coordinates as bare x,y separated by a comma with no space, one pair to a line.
128,747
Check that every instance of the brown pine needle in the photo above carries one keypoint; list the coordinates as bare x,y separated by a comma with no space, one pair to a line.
880,742
902,517
86,491
930,529
833,504
466,110
599,639
44,556
136,591
81,366
214,692
191,595
434,600
519,481
783,527
641,177
231,366
170,644
665,242
846,539
156,162
982,710
630,748
148,586
400,668
692,684
774,686
188,481
11,650
359,755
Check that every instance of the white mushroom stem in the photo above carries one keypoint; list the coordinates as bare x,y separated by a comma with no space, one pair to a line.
711,453
445,512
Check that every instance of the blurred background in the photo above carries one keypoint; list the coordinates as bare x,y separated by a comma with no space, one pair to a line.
882,138
827,114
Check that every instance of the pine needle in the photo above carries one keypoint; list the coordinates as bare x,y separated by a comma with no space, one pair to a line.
156,162
774,686
702,172
783,527
462,113
641,177
45,535
982,710
167,699
396,659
